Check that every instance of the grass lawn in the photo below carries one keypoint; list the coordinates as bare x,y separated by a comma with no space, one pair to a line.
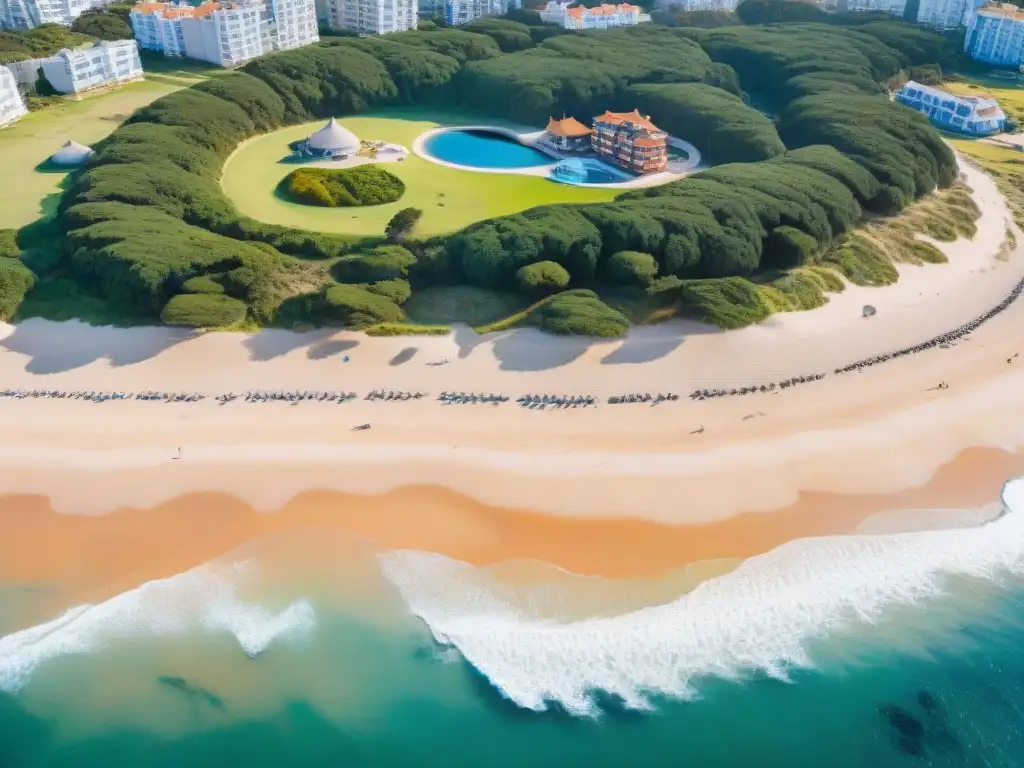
26,194
450,198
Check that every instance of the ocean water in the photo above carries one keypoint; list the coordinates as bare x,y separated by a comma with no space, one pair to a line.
899,650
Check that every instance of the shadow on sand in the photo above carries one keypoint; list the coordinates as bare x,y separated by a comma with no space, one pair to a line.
404,356
59,347
646,344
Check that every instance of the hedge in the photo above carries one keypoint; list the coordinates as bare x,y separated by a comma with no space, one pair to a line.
340,187
542,278
198,310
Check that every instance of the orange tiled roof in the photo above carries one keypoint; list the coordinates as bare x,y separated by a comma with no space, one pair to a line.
169,11
567,126
634,117
642,142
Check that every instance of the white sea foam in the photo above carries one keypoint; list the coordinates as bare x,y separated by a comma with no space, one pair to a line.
758,617
204,598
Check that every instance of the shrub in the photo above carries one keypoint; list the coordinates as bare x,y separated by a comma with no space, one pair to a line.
542,278
386,262
103,25
329,187
729,302
632,268
356,307
402,223
396,290
580,312
198,310
788,247
15,281
202,284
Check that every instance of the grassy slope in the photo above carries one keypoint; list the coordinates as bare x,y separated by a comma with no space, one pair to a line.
27,194
450,198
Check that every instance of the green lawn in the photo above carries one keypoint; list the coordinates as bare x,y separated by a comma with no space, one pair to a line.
449,198
26,194
1009,93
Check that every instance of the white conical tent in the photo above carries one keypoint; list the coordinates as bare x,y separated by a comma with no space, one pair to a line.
72,153
333,137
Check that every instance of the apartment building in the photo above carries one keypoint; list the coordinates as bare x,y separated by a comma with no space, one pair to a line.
604,16
227,34
26,14
103,65
995,35
700,5
631,141
157,26
894,7
11,105
372,17
458,12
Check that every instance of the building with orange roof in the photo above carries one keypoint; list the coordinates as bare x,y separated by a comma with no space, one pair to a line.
226,33
631,141
604,16
567,134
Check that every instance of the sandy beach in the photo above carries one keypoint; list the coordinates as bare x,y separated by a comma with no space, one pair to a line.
96,493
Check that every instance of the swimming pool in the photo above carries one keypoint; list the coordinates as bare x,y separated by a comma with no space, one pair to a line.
483,149
580,170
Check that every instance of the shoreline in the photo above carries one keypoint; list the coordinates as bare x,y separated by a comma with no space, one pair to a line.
721,478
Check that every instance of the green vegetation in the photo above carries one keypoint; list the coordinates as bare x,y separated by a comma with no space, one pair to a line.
343,187
39,42
201,310
632,268
402,223
542,278
15,278
110,23
148,216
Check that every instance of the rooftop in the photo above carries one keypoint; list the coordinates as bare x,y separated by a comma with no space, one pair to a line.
1005,10
172,11
604,9
567,126
634,117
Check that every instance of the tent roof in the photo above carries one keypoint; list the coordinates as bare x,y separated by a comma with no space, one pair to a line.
72,153
334,136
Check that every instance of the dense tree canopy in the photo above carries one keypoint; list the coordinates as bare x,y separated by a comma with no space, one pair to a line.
41,41
146,221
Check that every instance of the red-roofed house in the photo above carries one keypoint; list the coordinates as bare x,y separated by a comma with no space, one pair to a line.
631,141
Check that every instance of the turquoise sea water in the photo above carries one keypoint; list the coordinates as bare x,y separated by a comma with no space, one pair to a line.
483,149
897,651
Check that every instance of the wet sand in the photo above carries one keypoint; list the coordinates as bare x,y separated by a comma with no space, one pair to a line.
98,555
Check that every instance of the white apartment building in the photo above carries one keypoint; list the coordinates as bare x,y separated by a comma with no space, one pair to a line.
103,65
995,35
458,12
227,34
157,26
894,7
372,17
603,16
947,14
26,14
11,105
700,5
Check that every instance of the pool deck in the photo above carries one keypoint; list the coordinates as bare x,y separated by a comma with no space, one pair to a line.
678,169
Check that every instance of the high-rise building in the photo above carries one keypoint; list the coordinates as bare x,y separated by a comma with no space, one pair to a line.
11,105
372,17
895,7
996,35
631,141
103,65
26,14
458,12
227,34
945,14
699,5
604,16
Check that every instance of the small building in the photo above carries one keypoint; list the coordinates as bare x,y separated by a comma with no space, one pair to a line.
11,105
457,12
103,65
567,134
974,115
604,16
333,140
631,141
71,154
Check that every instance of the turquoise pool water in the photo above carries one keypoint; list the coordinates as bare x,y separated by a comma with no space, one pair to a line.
483,149
578,170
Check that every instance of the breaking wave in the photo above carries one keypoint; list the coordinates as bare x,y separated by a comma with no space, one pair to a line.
204,598
759,617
